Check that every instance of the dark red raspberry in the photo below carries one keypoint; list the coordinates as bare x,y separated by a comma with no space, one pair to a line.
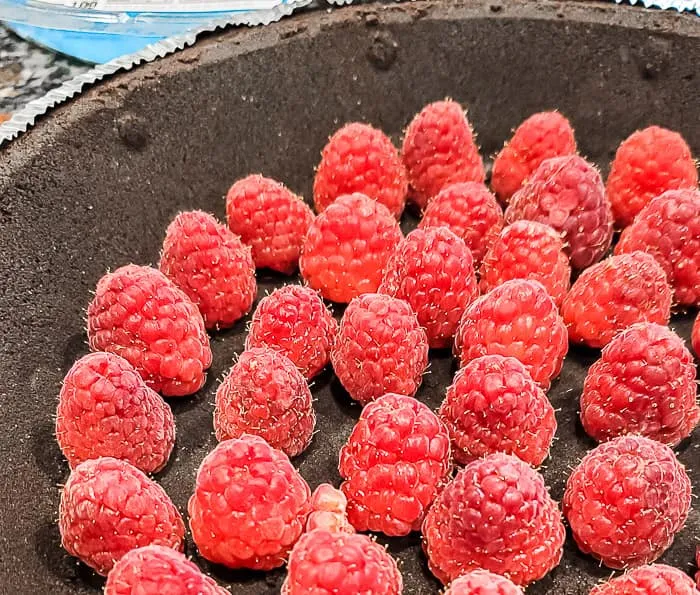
294,321
567,193
528,250
614,294
328,510
695,338
497,515
139,314
394,463
439,149
249,505
655,579
432,270
211,265
105,409
360,158
646,164
483,582
381,348
668,228
270,219
347,247
519,319
108,507
626,501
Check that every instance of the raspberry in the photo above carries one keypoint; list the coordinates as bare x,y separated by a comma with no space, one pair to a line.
270,219
105,409
493,405
483,582
539,137
497,515
528,250
432,270
626,500
347,247
438,150
394,463
109,507
655,579
381,348
249,505
328,510
669,229
294,321
517,319
158,570
695,338
139,314
644,383
567,193
359,158
614,294
470,211
646,164
265,394
211,265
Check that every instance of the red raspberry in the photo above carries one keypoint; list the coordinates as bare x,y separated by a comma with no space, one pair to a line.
539,137
211,265
695,338
139,314
646,164
359,158
432,270
347,247
270,219
249,505
519,319
438,150
626,500
381,348
655,579
669,229
528,250
109,507
567,193
328,510
394,463
644,383
294,321
105,409
614,294
497,515
264,394
483,582
470,211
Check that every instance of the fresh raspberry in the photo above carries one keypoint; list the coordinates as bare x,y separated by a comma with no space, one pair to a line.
519,319
668,228
394,463
109,507
270,219
614,294
332,563
211,265
329,510
697,563
347,247
539,137
655,579
626,500
249,505
644,383
695,338
497,515
528,250
470,211
105,409
360,158
265,394
567,193
381,348
294,321
646,164
439,149
483,582
493,405
139,314
432,270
